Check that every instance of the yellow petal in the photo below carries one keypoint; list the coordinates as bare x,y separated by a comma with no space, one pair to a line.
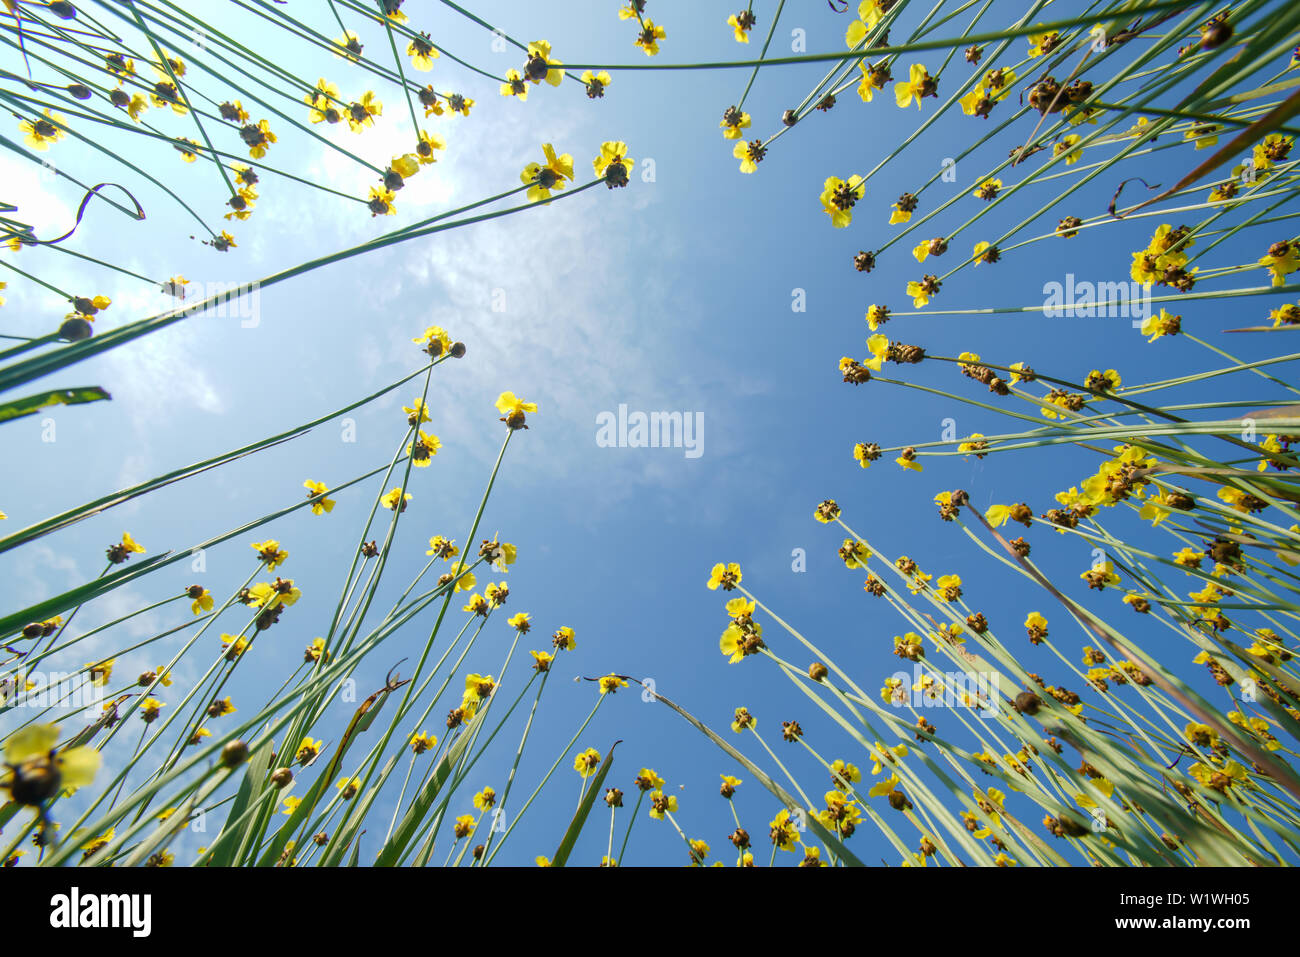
79,766
32,741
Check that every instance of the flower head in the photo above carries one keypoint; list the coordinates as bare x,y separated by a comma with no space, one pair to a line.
838,198
549,176
36,771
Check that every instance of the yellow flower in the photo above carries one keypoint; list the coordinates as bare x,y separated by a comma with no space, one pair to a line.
563,639
903,209
918,84
854,554
880,757
733,121
324,102
541,65
838,198
922,291
783,832
425,147
436,341
422,53
514,409
1200,734
459,104
515,85
406,165
40,133
550,176
35,771
234,646
395,496
308,750
699,851
1067,148
1041,44
95,844
382,201
1101,576
869,14
912,464
842,771
257,137
125,549
1000,82
743,720
613,153
750,155
1282,258
323,505
727,576
596,83
479,687
1161,324
587,762
649,37
732,643
1232,773
740,28
1203,135
464,578
873,78
348,46
279,592
417,413
974,101
1275,147
202,599
661,804
423,449
1107,381
610,684
271,553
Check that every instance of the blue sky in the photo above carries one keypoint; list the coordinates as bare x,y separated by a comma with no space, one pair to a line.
674,294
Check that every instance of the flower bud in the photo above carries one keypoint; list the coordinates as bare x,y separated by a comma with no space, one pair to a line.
234,754
76,329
